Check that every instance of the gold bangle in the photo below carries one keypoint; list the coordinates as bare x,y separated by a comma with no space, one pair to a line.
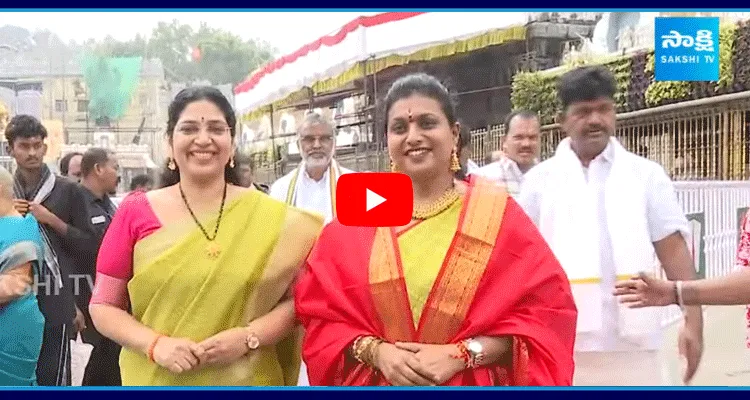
363,349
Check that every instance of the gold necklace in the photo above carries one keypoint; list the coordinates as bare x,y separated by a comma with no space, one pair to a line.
450,197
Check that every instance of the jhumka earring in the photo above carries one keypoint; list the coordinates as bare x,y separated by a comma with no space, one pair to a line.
231,162
171,165
394,168
455,164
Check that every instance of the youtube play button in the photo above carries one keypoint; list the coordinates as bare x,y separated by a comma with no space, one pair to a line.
374,199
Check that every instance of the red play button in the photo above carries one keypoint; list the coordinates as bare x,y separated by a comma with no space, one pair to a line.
374,199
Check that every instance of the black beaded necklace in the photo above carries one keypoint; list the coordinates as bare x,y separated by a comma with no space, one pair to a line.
213,250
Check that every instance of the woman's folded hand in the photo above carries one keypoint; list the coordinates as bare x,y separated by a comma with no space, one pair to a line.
438,363
395,365
177,355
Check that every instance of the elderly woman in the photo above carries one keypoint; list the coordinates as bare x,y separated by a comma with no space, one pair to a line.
466,294
21,322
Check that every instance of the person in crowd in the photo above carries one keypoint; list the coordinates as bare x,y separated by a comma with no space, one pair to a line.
246,169
100,173
194,279
464,151
70,166
21,322
141,183
608,213
312,185
646,290
495,156
466,294
55,203
520,153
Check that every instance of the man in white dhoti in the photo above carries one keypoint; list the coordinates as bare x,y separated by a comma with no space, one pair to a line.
312,185
520,153
608,214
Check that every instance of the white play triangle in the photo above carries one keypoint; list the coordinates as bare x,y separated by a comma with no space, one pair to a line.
373,200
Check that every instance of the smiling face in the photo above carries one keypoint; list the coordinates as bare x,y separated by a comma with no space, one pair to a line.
420,137
202,141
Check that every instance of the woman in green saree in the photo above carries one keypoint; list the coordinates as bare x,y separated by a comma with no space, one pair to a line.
193,279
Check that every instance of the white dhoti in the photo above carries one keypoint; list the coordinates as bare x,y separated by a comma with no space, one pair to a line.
625,368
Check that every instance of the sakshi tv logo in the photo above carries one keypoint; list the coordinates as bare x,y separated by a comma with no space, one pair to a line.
686,49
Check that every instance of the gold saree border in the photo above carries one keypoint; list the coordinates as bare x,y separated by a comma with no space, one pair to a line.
465,263
388,287
301,230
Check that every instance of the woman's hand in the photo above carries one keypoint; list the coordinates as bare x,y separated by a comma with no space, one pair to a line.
177,355
645,291
437,362
225,347
394,363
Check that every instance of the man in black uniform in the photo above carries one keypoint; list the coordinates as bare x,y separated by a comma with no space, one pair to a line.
99,171
55,202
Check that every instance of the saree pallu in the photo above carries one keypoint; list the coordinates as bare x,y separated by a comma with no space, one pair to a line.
21,322
179,291
498,278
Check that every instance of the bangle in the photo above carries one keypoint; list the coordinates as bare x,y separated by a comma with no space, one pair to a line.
678,294
464,354
364,349
152,346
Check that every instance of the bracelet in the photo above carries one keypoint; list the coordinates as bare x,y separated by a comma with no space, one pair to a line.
678,294
464,354
364,349
152,346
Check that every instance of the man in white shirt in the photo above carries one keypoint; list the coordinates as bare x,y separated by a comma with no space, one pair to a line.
521,149
608,214
312,185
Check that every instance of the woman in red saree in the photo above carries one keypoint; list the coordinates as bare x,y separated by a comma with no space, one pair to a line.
467,294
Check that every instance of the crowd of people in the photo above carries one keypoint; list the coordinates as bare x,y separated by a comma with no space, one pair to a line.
517,273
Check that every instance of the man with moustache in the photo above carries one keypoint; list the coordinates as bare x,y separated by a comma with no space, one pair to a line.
312,185
608,214
521,148
100,176
55,202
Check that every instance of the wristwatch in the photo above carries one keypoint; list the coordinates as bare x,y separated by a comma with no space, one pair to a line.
476,352
252,340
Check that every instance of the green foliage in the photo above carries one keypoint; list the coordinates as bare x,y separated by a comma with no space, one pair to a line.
621,69
663,91
727,38
225,57
537,91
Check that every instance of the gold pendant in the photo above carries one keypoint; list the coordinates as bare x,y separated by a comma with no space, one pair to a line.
213,250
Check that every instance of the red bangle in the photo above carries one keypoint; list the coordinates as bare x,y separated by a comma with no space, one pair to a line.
152,347
464,353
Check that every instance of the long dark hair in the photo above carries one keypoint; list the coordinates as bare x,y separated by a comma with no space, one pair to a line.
183,98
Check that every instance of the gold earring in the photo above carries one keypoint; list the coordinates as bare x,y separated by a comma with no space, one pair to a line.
394,168
455,164
231,162
171,165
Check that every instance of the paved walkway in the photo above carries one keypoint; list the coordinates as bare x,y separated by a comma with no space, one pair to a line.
726,362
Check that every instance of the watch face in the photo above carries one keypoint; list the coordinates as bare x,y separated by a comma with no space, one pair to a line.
475,347
253,342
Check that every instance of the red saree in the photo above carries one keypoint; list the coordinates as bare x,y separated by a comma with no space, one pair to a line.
499,278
